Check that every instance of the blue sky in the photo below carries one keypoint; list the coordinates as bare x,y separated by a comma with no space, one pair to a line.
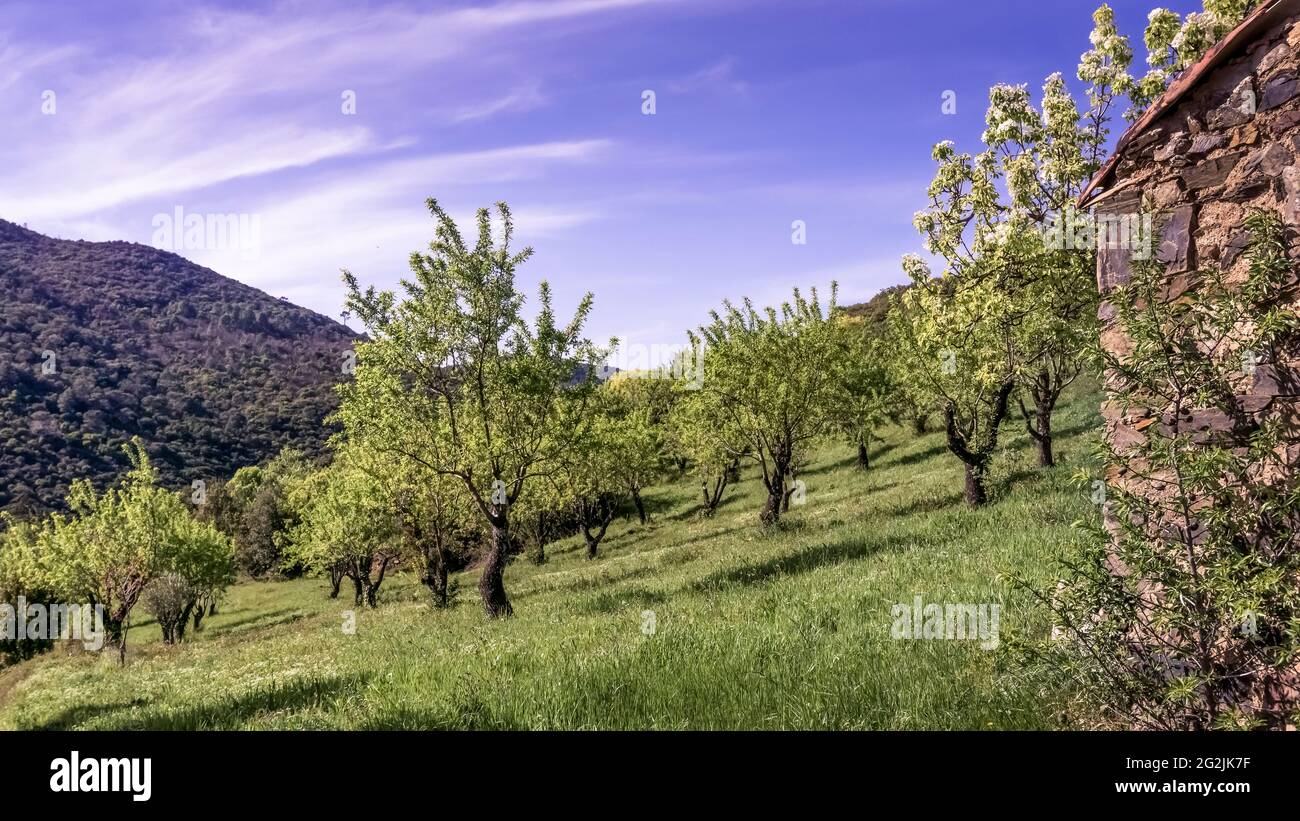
767,112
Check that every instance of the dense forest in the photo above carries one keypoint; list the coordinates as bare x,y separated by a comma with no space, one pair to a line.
100,342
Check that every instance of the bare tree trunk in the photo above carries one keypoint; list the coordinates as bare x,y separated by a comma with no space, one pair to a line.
336,580
640,505
491,584
1040,426
435,578
185,620
864,459
600,513
976,460
976,493
776,495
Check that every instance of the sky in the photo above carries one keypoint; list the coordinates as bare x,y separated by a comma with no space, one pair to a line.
325,126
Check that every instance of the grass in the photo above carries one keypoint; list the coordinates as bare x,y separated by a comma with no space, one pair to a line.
754,629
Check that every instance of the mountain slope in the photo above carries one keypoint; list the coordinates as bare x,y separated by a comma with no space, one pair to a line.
100,342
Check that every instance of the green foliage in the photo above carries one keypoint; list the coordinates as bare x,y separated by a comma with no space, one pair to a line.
209,372
1183,611
695,433
345,523
456,380
864,376
110,546
770,383
785,628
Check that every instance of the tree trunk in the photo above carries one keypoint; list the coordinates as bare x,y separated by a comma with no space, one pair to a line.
640,505
435,578
864,459
372,586
199,613
538,554
919,424
185,620
336,581
776,495
712,498
976,460
117,630
601,513
1045,457
491,584
359,588
976,495
1040,427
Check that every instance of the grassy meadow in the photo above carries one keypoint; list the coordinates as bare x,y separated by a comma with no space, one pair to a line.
753,629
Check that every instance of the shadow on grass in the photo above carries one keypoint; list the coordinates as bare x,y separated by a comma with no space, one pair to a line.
696,511
612,601
253,622
793,564
930,504
226,714
875,453
915,458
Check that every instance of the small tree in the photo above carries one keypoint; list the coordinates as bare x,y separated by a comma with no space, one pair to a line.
433,526
346,524
454,379
693,427
111,546
770,381
958,350
636,441
588,476
167,598
864,375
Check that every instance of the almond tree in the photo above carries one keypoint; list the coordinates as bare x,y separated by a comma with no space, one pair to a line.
770,383
693,434
865,378
455,379
346,524
110,546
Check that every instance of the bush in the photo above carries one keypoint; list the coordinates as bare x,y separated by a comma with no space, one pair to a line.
169,599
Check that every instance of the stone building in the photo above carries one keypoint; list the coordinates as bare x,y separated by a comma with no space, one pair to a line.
1223,140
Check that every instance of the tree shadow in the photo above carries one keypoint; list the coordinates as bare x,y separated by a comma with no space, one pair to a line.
793,564
931,504
70,718
256,621
225,714
233,713
918,456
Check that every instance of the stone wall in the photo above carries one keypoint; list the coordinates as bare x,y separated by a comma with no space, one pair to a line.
1229,145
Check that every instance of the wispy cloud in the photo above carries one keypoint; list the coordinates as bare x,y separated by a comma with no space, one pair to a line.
523,99
717,77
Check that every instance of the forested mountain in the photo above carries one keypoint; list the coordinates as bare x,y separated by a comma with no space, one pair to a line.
100,342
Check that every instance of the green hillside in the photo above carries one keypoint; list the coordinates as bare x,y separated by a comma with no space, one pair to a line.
752,629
